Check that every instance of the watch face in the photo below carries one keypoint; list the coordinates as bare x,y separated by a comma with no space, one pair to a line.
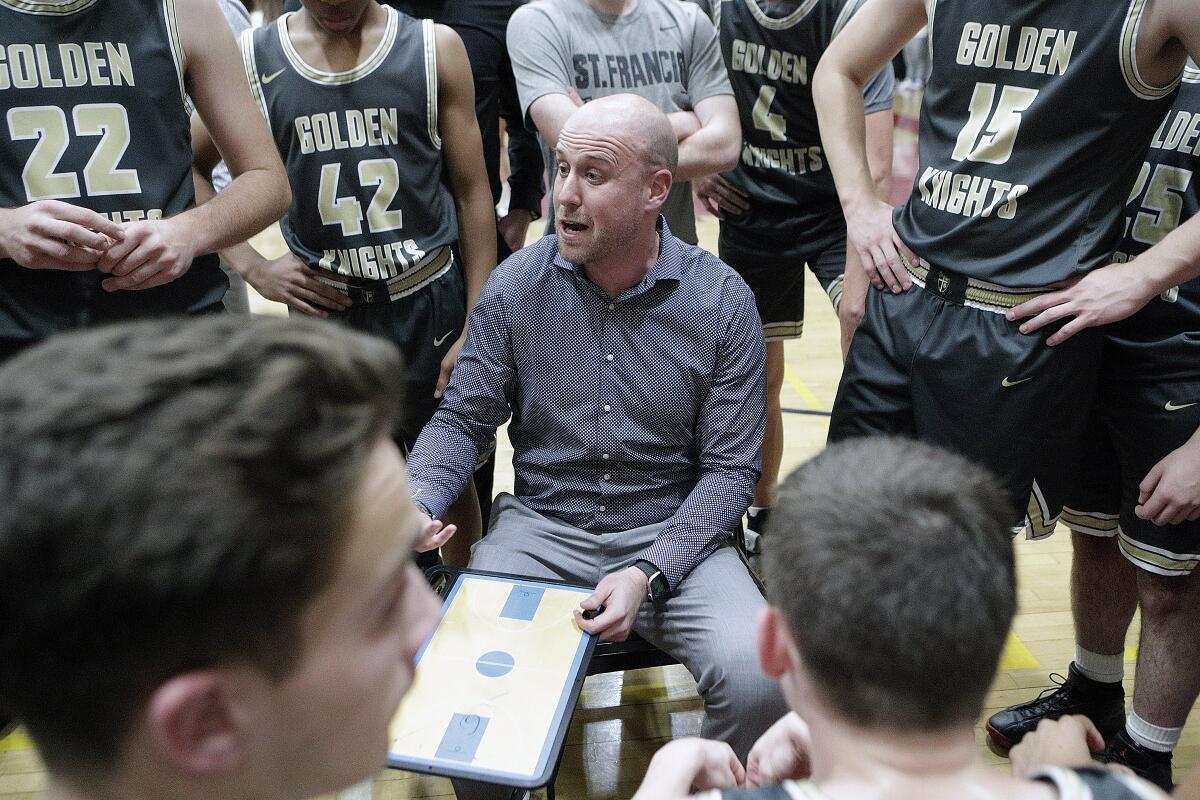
658,586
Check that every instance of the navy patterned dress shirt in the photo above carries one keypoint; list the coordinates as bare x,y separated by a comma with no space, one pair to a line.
625,412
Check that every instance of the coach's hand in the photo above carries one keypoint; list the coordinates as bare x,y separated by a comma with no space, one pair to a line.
1170,493
621,593
869,229
1101,297
153,252
50,234
287,280
781,753
434,533
720,196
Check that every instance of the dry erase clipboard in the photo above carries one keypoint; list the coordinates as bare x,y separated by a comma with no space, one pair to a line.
496,683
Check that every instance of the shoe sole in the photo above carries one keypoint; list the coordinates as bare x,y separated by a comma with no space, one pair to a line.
997,738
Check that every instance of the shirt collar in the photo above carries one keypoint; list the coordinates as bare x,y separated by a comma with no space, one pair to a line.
669,265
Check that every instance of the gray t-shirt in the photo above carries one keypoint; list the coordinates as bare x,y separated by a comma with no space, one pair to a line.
663,50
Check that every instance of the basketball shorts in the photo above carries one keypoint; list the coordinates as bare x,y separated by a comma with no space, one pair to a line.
424,325
1134,425
947,368
774,271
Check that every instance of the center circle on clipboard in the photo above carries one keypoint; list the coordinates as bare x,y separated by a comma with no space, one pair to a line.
495,664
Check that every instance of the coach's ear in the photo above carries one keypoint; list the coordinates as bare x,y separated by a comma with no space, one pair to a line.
775,644
192,722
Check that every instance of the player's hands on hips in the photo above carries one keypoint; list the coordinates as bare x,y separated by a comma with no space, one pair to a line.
720,196
152,252
287,280
1065,742
1170,493
780,754
434,533
690,765
50,234
621,593
448,362
1101,297
869,229
514,226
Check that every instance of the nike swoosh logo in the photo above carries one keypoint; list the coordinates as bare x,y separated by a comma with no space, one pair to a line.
268,78
1172,407
438,342
1007,383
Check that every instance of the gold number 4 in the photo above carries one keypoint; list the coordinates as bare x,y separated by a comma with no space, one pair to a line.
764,120
989,135
48,126
381,173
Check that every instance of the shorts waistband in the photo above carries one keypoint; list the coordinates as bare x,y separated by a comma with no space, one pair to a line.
414,279
961,290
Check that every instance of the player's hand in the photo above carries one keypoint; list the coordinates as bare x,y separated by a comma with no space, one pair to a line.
621,593
720,196
781,753
1101,297
869,229
153,252
1065,742
287,280
1170,493
434,533
683,766
684,123
448,362
50,234
514,226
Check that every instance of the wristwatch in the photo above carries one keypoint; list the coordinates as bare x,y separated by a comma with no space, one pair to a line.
656,582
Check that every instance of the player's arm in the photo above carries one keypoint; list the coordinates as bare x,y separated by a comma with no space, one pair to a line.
686,764
51,234
285,279
870,40
539,53
156,252
878,128
462,149
716,145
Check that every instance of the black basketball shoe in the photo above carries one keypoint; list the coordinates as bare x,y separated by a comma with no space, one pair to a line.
1150,765
1102,703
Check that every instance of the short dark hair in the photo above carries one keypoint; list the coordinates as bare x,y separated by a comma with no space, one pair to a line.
892,561
174,492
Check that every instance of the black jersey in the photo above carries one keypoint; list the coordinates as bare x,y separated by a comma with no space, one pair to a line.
1163,339
1033,127
362,153
92,113
782,165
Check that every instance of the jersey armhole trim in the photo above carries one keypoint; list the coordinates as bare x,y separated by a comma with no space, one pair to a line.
429,34
177,53
1129,67
250,66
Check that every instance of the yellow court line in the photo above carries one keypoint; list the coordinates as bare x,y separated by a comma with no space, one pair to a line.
806,395
1016,655
1131,654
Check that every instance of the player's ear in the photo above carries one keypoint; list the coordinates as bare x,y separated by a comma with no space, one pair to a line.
194,721
774,642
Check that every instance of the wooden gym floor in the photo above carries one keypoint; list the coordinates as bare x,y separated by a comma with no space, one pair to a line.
622,718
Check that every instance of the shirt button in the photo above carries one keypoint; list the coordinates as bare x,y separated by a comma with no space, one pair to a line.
605,456
602,508
611,306
607,407
609,356
607,477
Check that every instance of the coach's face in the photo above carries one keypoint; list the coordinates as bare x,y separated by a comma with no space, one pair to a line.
602,189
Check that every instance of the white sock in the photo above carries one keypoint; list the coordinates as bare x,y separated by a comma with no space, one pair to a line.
753,511
1151,736
1100,667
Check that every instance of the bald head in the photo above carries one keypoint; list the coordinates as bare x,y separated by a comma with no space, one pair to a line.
635,122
